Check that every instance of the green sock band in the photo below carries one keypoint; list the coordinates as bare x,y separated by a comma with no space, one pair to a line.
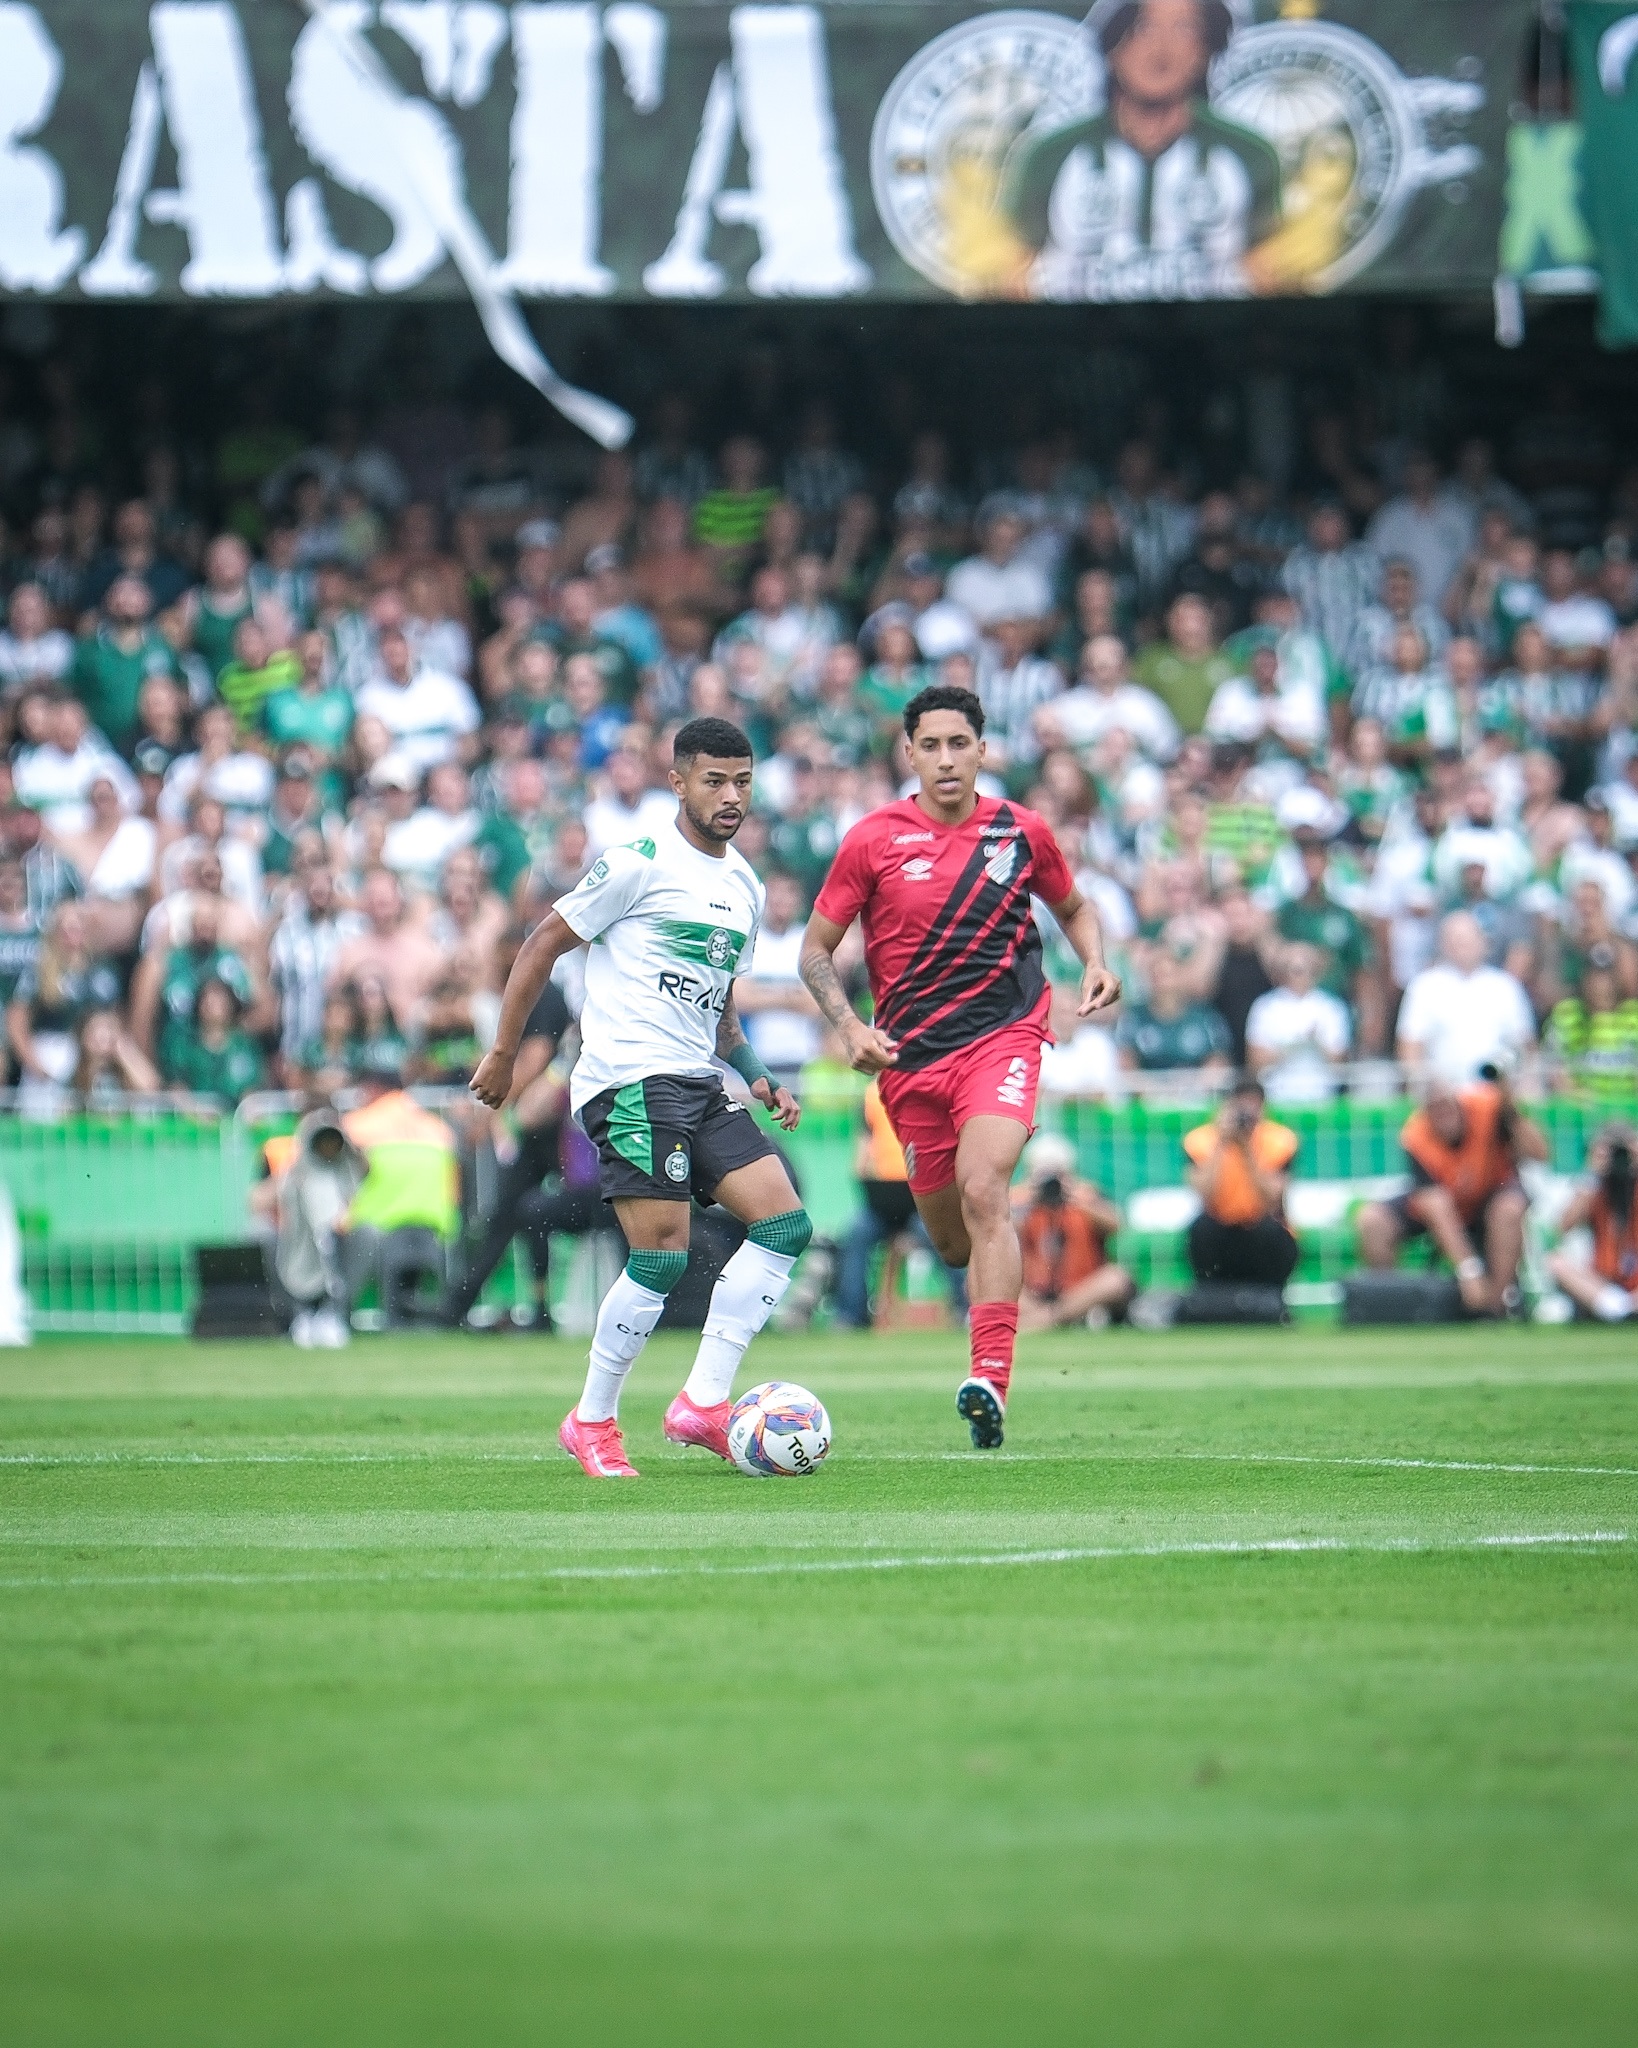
659,1272
788,1235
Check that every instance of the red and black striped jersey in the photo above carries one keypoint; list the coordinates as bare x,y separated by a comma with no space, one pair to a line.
951,947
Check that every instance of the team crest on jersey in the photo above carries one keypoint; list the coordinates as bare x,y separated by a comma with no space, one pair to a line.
719,949
917,870
676,1165
1000,862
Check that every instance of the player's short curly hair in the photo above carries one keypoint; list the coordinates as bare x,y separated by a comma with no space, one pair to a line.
1113,24
718,738
943,697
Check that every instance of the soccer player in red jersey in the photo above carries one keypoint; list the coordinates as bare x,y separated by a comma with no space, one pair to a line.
942,881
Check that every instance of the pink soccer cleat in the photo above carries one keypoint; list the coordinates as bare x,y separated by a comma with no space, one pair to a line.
599,1447
688,1423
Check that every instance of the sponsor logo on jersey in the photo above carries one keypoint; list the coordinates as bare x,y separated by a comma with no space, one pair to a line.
683,988
599,873
911,838
918,869
727,909
676,1165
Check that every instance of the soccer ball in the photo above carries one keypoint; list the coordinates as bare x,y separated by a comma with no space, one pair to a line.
778,1431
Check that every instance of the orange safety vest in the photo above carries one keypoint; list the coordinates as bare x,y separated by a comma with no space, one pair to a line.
1061,1247
1479,1165
280,1154
1615,1250
884,1155
1236,1200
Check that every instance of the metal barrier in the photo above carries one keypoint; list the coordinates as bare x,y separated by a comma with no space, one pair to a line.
112,1198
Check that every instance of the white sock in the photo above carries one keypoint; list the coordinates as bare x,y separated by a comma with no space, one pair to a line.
1613,1304
625,1323
747,1292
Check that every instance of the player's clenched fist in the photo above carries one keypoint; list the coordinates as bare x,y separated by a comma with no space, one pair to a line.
492,1083
869,1051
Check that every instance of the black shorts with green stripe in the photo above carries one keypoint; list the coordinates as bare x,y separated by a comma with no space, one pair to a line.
670,1138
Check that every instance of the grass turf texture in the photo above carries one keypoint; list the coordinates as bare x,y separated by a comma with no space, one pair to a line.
339,1707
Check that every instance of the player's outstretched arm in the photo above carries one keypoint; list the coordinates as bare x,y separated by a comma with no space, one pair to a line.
734,1050
531,971
1078,921
869,1051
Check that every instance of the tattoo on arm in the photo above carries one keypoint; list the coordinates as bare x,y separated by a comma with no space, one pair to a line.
825,986
730,1031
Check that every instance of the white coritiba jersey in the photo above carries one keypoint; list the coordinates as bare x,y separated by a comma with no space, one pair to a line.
670,927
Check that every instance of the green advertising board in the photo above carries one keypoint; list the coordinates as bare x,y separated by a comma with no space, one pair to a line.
1152,150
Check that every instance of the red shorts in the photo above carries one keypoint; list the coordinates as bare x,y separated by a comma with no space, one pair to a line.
994,1076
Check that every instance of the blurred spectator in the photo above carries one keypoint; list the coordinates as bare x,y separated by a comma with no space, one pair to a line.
1298,1031
1461,1015
1104,700
997,582
1064,1229
55,777
1186,669
628,809
1399,604
1463,1145
1429,526
1334,581
116,657
429,714
65,983
1319,919
781,1018
208,1053
1239,1166
111,1063
393,947
32,649
1595,1030
1168,1032
1606,1284
256,672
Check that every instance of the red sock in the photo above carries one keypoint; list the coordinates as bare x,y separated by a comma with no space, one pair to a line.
993,1326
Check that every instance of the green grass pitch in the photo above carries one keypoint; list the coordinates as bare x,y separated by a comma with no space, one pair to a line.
1271,1686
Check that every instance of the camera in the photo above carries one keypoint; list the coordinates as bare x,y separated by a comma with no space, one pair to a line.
1050,1193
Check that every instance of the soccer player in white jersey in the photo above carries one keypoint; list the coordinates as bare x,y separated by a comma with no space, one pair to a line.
670,921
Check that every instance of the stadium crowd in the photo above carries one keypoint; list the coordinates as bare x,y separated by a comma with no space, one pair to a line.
1342,745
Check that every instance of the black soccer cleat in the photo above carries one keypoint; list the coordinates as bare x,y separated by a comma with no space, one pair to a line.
979,1406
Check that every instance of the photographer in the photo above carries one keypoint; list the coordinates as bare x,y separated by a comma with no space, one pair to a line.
1608,1288
1064,1227
1239,1168
1464,1146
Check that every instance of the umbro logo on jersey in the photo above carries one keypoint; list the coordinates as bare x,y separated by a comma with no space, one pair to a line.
917,870
911,838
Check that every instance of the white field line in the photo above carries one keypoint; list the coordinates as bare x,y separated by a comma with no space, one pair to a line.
50,1459
1276,1546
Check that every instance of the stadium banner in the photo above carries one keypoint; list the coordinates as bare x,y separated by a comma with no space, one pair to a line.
1604,61
1149,150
